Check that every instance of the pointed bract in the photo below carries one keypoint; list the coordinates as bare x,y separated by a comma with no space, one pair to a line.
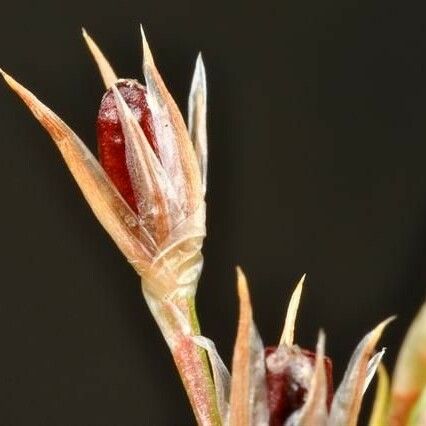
240,382
372,366
107,73
248,400
176,150
287,336
197,117
347,400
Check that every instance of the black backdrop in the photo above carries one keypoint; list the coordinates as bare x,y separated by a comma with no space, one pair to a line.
317,144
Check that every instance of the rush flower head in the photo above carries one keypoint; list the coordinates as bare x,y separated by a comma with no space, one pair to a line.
148,189
287,385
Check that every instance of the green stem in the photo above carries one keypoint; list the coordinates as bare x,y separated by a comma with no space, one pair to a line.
194,369
190,359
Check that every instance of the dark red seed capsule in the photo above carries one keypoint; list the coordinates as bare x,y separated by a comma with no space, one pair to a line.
111,144
287,382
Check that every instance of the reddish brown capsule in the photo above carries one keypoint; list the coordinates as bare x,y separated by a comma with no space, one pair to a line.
288,372
111,143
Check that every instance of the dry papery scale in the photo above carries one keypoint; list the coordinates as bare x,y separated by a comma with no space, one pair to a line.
147,190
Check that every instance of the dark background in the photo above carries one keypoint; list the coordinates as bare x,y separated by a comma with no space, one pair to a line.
317,143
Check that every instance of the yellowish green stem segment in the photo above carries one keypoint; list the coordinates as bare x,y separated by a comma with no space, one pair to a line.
191,360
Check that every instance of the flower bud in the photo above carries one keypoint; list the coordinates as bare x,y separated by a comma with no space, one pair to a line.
111,143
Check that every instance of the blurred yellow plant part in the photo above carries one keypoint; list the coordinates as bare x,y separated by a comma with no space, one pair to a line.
409,378
418,413
381,400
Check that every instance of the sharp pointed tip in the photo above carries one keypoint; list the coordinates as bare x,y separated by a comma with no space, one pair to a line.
390,319
86,36
239,271
147,55
144,41
243,292
200,72
9,80
301,283
199,63
108,75
321,340
381,326
241,281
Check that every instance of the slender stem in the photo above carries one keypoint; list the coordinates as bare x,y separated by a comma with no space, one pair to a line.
190,359
193,366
